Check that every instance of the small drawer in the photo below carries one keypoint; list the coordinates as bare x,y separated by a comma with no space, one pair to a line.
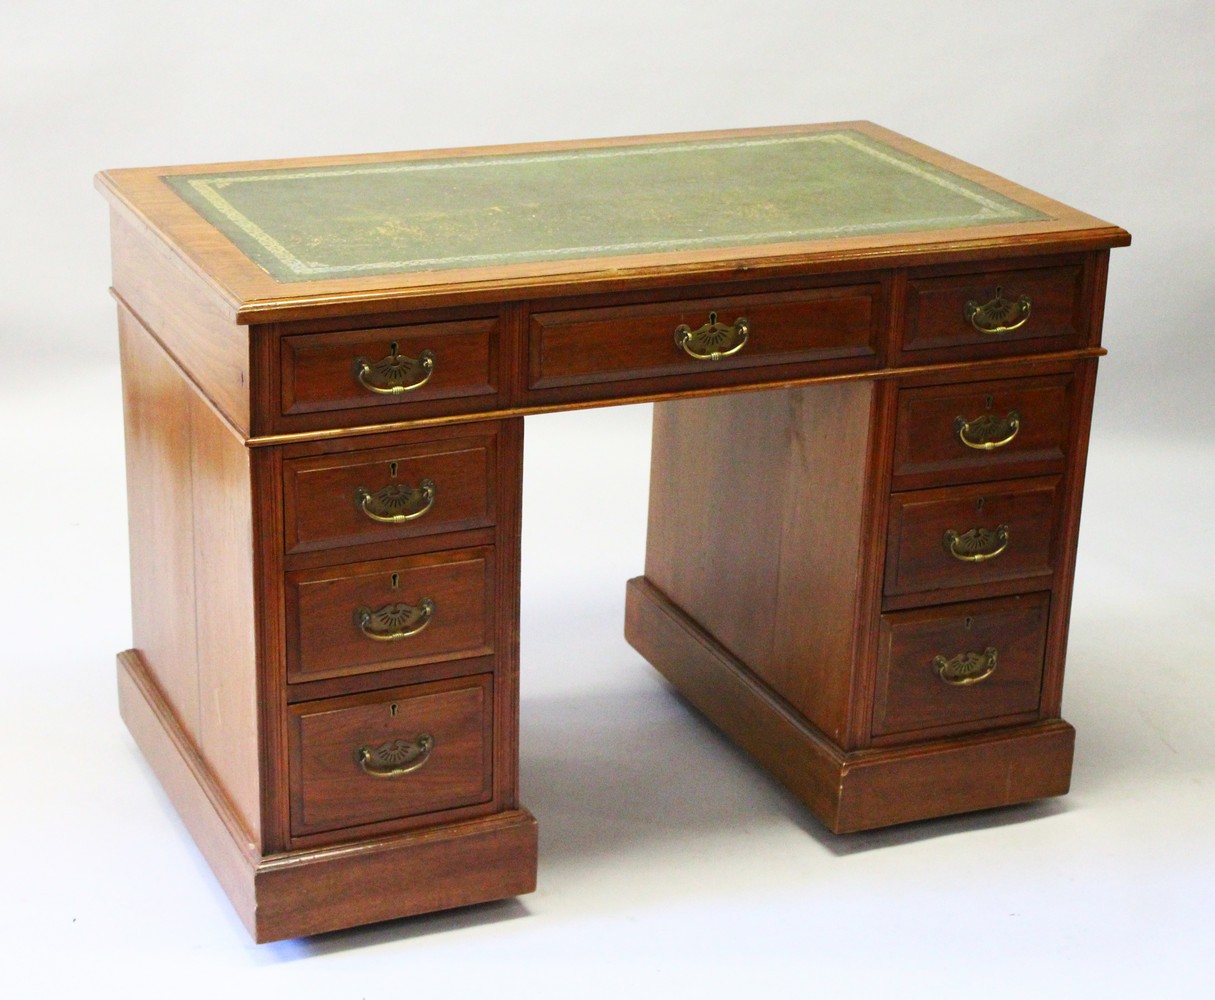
962,666
420,488
390,755
392,613
995,313
968,535
581,346
405,367
982,430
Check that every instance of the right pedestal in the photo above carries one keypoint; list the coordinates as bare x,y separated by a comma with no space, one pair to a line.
865,585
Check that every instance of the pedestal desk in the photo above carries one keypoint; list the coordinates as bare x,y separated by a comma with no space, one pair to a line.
872,368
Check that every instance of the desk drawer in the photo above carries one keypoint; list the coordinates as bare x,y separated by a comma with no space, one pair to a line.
582,346
963,666
985,430
998,312
971,535
390,755
402,368
392,613
423,487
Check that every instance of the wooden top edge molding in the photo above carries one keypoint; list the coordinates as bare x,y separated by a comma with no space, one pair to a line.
288,239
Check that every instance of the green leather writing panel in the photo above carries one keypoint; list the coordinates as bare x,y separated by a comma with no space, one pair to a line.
307,224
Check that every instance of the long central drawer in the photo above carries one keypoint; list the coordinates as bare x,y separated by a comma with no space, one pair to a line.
580,346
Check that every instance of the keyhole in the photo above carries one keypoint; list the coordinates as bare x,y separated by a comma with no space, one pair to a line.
396,580
392,469
712,319
392,709
989,402
981,501
392,348
969,621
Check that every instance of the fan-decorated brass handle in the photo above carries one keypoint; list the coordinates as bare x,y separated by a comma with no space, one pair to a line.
966,668
396,757
396,503
395,622
999,315
394,374
714,340
977,544
988,432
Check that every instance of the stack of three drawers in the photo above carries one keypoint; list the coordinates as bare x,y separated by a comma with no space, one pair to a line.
399,659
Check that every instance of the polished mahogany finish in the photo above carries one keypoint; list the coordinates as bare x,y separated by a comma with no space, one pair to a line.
1054,319
390,755
316,368
326,633
976,535
982,430
584,345
869,440
426,484
995,649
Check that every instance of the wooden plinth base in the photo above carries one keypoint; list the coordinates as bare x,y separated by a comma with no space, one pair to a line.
297,893
846,791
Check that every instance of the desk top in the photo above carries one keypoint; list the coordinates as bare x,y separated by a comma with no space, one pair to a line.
271,236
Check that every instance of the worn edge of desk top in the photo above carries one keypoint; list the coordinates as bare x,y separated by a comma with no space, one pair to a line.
248,293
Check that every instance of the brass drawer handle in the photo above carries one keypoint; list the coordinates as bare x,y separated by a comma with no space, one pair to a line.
396,757
706,343
976,545
966,668
395,374
394,622
1000,315
396,503
988,432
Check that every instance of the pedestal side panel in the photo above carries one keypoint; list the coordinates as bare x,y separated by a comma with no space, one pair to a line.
225,608
756,532
188,484
160,512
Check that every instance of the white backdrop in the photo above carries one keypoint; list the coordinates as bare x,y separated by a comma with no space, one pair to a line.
668,863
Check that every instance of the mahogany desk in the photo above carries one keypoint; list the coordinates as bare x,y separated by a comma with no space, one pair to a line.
861,573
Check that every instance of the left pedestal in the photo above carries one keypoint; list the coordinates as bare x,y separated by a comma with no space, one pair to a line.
329,698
